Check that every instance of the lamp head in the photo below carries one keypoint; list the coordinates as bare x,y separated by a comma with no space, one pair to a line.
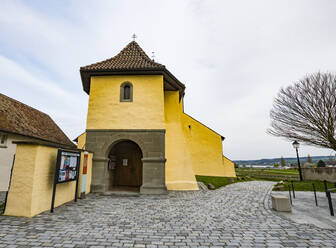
296,144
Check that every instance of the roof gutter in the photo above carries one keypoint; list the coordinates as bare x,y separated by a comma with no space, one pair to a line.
37,138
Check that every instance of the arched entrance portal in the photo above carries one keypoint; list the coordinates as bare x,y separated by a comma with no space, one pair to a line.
125,166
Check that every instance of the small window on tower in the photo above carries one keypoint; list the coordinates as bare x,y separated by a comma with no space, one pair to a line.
126,92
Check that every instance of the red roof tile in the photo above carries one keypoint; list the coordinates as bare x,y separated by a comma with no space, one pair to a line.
131,60
131,57
19,118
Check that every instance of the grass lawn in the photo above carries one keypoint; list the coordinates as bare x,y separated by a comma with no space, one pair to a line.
305,186
218,181
284,172
269,174
275,175
268,171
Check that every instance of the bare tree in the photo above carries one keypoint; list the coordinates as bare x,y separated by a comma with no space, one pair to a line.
306,111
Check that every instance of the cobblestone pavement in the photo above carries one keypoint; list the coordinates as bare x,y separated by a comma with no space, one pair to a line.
234,216
305,211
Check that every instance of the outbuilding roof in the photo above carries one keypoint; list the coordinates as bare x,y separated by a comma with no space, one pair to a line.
19,118
131,60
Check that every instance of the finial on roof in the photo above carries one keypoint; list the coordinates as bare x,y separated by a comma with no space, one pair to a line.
134,37
153,56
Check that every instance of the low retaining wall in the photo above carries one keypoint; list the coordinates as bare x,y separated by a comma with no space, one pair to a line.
320,174
31,184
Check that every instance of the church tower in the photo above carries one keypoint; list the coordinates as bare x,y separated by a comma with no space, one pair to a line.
137,129
125,122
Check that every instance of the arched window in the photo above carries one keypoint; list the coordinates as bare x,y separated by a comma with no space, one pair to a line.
126,92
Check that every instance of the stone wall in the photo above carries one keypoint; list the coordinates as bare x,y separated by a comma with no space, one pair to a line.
152,145
321,173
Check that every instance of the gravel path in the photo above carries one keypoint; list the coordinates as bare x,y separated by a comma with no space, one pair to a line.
234,216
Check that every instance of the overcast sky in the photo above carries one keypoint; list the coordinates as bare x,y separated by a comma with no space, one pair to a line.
233,57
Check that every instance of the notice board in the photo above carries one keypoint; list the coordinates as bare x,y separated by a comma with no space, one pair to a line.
67,166
67,170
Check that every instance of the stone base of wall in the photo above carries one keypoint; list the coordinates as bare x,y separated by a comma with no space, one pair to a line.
152,145
153,171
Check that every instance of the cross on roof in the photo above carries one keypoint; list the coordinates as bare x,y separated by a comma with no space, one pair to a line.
153,56
134,37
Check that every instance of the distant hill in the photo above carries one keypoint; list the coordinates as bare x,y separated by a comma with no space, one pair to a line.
272,161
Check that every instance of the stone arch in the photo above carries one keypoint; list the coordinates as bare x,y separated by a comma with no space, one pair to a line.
128,176
108,145
152,145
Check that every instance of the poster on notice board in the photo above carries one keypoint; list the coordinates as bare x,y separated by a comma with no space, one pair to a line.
67,167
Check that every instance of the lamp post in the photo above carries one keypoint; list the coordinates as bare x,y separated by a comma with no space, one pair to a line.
296,146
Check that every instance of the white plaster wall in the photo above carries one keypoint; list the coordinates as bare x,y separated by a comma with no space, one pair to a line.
6,158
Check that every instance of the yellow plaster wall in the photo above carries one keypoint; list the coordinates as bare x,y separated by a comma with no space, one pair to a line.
81,145
81,141
229,167
179,172
21,189
32,181
146,111
197,150
43,182
205,147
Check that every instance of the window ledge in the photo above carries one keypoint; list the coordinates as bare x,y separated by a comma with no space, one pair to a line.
3,146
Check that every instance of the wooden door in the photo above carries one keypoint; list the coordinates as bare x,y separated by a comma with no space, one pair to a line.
128,171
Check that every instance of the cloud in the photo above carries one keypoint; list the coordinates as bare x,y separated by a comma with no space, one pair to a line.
233,57
43,94
14,73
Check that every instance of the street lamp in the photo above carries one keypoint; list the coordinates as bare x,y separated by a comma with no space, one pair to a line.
296,146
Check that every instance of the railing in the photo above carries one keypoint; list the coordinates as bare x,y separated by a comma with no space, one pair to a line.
291,191
331,208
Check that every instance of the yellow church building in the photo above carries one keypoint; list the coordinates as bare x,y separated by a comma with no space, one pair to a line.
136,127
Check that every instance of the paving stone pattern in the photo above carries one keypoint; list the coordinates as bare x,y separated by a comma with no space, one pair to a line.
238,215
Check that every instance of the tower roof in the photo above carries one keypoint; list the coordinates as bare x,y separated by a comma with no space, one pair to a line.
131,57
131,60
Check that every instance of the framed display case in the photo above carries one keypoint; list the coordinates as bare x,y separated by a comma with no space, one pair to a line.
67,170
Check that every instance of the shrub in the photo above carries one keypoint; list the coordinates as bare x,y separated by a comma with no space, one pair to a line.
321,163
